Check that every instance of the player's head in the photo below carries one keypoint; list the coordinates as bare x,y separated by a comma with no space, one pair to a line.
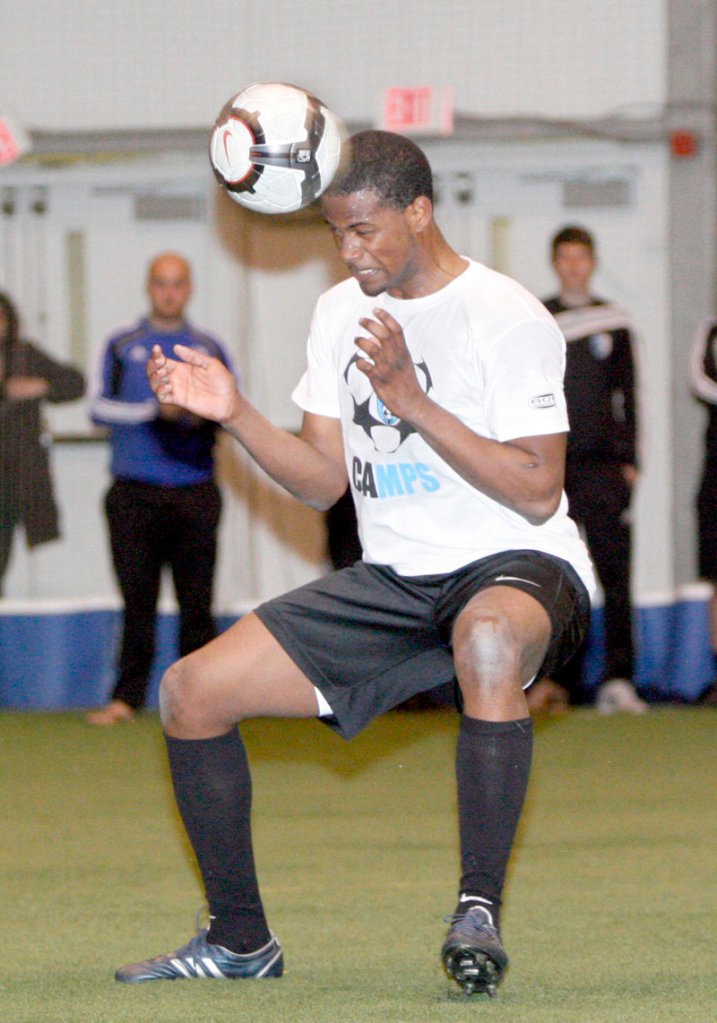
380,211
390,165
573,256
572,235
169,287
9,320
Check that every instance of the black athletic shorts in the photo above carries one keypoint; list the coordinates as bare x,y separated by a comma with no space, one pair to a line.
369,638
707,521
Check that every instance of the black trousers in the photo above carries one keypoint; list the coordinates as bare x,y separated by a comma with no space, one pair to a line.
8,523
599,500
150,527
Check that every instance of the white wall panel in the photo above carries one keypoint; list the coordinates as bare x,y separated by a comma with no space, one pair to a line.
517,204
101,65
256,283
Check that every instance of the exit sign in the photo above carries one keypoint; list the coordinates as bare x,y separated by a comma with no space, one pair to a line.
423,109
13,141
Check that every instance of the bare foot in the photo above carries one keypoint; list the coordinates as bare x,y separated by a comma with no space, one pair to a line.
547,697
116,712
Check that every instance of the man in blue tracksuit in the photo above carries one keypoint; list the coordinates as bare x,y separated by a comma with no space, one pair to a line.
163,505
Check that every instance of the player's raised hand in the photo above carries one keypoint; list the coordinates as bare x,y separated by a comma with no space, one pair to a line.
195,382
388,364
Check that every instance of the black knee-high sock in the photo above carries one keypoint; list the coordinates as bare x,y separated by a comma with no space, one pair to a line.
492,768
212,786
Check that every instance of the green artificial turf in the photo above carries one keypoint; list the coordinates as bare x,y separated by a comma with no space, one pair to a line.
610,908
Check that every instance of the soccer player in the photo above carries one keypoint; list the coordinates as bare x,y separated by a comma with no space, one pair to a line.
434,387
602,457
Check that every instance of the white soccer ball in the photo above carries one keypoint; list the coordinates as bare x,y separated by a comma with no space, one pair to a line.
275,148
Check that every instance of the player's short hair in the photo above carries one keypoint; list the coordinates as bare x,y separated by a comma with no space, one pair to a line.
390,165
575,235
11,315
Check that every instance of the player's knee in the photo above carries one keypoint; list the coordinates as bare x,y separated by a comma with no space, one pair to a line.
488,644
180,695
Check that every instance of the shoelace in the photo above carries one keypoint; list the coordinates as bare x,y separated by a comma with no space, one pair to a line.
195,945
470,917
202,919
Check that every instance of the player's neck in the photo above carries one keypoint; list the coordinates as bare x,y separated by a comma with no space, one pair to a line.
440,266
574,298
164,325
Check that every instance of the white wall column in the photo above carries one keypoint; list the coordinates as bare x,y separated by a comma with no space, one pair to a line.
692,88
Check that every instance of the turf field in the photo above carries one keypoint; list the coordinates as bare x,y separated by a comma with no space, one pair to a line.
611,911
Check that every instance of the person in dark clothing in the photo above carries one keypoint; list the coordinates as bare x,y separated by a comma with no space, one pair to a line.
28,378
602,460
342,539
703,380
164,505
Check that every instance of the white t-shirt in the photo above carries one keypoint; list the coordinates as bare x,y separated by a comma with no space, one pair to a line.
486,350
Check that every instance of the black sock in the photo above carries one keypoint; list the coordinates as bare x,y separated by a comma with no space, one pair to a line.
492,768
212,786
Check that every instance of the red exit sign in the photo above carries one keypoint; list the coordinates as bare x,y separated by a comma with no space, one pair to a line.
424,109
13,141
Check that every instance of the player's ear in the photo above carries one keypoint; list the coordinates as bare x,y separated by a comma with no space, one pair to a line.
420,213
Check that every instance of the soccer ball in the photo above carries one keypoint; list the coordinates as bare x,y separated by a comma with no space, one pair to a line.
275,148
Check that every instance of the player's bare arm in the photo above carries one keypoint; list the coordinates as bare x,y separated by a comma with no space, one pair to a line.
525,474
310,466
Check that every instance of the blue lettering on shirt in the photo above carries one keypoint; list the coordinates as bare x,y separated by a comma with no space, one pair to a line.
395,479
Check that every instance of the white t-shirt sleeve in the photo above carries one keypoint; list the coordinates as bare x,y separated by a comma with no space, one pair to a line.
524,372
317,391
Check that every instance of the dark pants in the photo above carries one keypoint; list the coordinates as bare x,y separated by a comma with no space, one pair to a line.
150,527
8,522
707,521
38,530
599,500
